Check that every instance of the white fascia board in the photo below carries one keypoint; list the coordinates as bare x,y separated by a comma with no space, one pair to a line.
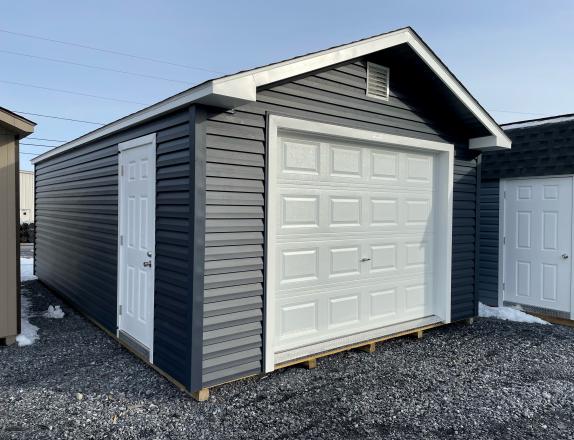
486,143
299,66
499,139
224,95
172,103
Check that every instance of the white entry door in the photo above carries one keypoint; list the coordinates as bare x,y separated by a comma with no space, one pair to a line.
352,240
537,242
137,240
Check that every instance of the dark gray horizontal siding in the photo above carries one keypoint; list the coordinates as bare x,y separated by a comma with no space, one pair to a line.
489,229
463,237
77,228
233,315
172,252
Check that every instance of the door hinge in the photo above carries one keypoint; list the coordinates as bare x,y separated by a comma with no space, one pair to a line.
121,170
503,286
503,240
120,310
121,240
504,194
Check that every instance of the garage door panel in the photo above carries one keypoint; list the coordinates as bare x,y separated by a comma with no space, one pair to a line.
335,260
330,313
324,209
314,161
300,157
346,162
353,241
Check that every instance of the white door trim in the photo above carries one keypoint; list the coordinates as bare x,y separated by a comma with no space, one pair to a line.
444,206
502,233
123,146
138,142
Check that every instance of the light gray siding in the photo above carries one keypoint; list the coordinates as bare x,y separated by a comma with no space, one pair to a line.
234,266
234,229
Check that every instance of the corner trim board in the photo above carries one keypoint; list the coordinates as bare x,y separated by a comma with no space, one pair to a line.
197,194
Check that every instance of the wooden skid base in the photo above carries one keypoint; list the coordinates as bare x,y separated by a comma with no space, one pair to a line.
554,319
418,334
368,346
202,395
310,364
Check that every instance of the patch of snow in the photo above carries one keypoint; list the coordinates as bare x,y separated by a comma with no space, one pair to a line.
507,314
29,332
27,269
54,313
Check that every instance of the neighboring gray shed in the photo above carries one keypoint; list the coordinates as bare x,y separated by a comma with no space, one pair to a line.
526,219
273,215
12,129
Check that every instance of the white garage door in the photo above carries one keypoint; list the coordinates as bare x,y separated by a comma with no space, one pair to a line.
353,238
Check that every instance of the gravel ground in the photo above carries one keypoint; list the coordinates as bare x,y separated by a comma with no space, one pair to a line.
492,379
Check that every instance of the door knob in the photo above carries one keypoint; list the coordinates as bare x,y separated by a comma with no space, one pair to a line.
147,263
149,254
363,260
564,256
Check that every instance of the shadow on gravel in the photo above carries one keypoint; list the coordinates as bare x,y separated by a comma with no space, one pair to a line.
493,379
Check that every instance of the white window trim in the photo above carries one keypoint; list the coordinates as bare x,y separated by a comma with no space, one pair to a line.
138,142
123,146
444,206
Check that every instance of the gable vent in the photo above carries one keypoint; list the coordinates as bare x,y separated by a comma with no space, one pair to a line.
378,81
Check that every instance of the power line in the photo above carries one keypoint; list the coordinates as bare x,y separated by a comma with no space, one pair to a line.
115,52
44,139
59,117
31,154
93,67
39,145
517,113
72,92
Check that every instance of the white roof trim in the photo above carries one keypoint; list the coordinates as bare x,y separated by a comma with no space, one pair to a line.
234,90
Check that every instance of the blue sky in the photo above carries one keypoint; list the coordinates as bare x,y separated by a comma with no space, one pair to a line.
514,56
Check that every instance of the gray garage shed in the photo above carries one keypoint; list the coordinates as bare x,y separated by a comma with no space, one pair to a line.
274,214
526,219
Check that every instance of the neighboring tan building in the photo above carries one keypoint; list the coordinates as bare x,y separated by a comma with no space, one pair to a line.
26,196
12,129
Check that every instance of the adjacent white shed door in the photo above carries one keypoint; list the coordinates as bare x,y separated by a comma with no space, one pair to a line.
137,240
354,236
537,252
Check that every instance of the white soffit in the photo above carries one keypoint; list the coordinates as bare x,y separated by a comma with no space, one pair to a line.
234,90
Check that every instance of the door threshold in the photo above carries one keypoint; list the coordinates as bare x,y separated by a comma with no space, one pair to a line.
134,345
